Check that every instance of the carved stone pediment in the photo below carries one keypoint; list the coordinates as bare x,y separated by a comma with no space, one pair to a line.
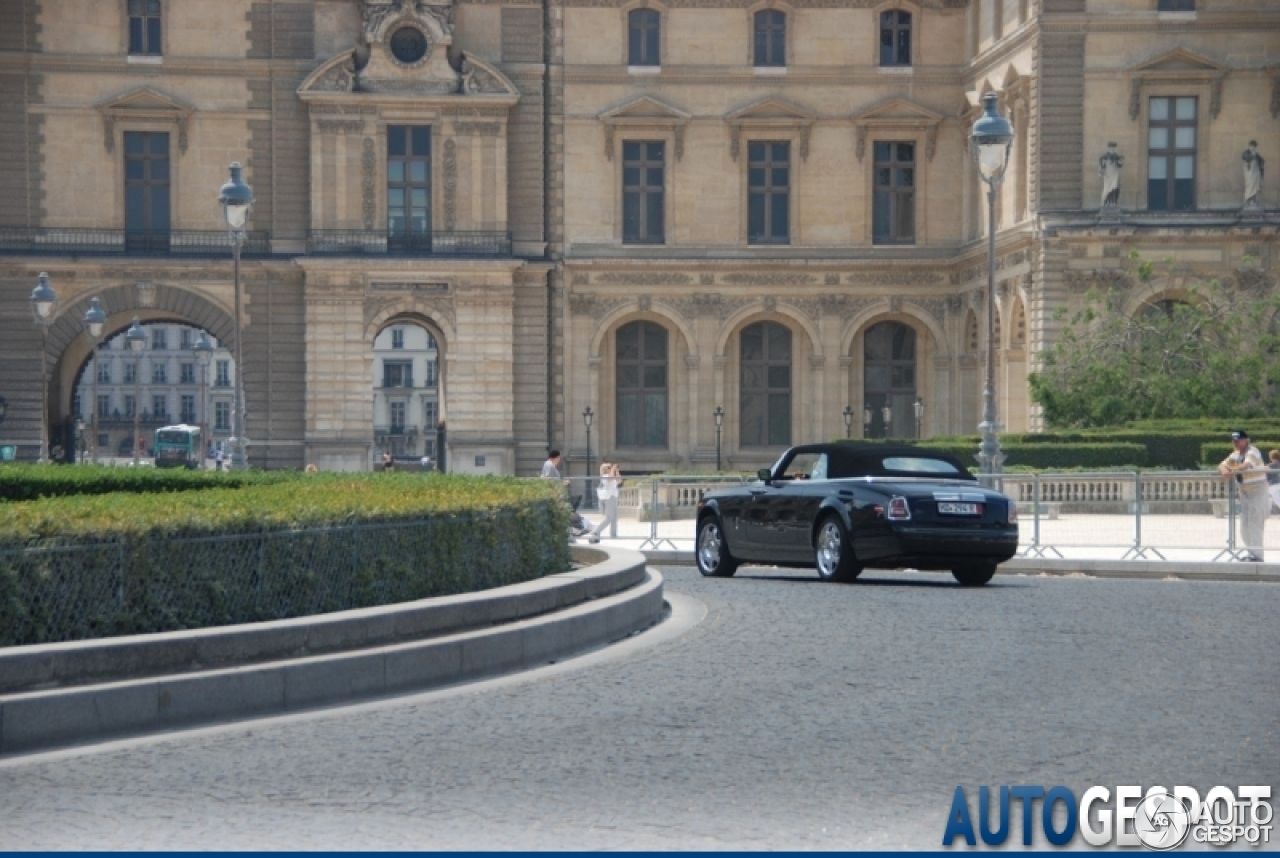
147,105
408,47
1179,66
644,113
897,114
772,113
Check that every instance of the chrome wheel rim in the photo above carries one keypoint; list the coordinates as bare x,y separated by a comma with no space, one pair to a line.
829,546
709,544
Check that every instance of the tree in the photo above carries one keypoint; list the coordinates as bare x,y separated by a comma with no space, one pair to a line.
1212,351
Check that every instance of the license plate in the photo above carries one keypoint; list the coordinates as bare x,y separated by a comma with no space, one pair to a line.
949,508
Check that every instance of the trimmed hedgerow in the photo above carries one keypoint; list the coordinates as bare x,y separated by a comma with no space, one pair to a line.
21,482
113,564
1212,454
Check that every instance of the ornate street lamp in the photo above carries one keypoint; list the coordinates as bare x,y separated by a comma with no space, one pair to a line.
866,420
204,355
848,421
95,318
237,202
43,302
991,139
588,416
718,414
886,414
136,339
918,407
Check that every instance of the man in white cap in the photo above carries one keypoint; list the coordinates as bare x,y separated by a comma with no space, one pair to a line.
1250,472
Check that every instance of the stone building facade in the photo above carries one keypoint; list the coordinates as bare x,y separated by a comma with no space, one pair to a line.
652,208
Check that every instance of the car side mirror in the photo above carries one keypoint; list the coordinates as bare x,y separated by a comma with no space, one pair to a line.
764,475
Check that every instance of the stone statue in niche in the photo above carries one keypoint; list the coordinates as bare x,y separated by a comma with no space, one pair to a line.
1253,164
1109,166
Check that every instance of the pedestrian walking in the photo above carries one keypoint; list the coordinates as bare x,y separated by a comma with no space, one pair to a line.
607,494
551,471
388,461
219,459
1246,467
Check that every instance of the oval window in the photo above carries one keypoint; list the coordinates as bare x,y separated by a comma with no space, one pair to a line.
408,44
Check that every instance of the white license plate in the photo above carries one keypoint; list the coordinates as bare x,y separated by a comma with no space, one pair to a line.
948,508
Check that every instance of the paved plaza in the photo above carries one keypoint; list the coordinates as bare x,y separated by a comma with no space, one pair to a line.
771,711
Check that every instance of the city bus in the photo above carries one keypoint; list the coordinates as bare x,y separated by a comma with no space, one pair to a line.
179,446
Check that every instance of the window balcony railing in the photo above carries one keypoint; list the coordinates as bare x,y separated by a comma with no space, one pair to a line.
121,242
396,430
383,243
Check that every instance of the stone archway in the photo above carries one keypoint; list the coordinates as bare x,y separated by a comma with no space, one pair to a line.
409,378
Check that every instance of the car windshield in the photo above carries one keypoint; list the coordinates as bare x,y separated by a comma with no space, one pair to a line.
920,465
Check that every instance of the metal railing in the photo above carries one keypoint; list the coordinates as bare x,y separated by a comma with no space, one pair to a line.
124,242
384,243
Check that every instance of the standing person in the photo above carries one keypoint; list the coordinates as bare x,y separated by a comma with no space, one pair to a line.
607,493
1273,476
218,459
388,463
1246,466
551,471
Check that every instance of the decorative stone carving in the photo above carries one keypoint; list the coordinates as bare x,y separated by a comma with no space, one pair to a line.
770,279
706,279
1109,166
770,304
902,278
817,362
831,280
692,361
146,293
955,303
895,304
581,278
644,304
410,287
450,185
643,278
1111,251
595,306
406,43
368,190
339,126
477,129
343,110
704,305
1103,279
1253,165
936,307
479,80
339,78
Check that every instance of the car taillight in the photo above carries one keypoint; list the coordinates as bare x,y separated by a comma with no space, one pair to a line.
1013,512
898,510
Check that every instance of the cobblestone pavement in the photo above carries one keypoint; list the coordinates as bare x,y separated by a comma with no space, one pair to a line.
796,714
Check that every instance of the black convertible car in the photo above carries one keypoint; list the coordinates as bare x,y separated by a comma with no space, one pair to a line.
845,507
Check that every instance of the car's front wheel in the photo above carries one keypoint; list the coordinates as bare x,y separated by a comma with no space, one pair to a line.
974,574
714,559
833,553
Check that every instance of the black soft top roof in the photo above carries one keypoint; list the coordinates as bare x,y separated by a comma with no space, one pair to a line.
861,459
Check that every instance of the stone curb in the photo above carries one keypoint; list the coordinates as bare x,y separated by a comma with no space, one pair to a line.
36,720
1268,572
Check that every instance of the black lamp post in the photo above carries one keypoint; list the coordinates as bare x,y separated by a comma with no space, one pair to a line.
848,421
204,355
136,339
237,202
43,302
587,417
94,319
991,139
718,414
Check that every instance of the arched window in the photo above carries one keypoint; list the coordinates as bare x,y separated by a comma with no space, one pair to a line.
770,38
765,393
641,409
642,37
889,379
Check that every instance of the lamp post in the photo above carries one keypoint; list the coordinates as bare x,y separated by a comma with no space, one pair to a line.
204,354
94,319
136,339
587,417
991,139
848,421
81,441
43,302
237,201
918,407
886,414
866,420
718,414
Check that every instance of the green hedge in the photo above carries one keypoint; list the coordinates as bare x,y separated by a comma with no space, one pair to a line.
1055,456
1212,454
20,482
115,564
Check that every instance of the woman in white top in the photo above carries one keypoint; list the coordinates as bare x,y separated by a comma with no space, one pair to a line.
607,494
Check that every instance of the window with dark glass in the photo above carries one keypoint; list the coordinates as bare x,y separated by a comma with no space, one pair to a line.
409,186
187,373
397,338
144,27
765,391
187,409
159,373
222,416
1171,154
104,373
146,190
397,415
160,406
895,38
222,374
643,177
894,203
1175,5
641,385
159,339
104,405
397,373
130,373
769,192
770,38
889,379
130,405
642,37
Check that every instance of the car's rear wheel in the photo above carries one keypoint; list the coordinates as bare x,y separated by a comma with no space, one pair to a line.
833,554
974,574
714,559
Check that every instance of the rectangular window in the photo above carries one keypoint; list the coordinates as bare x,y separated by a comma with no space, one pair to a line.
1171,154
397,373
770,38
397,338
643,181
430,411
75,406
146,191
184,337
222,374
768,192
144,28
188,408
159,373
104,373
222,416
104,405
397,416
1175,5
642,37
130,373
431,373
894,204
409,187
159,339
187,373
160,406
129,405
895,38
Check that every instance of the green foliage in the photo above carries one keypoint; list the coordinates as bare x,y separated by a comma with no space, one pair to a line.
19,482
1215,452
1094,455
1212,351
129,563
